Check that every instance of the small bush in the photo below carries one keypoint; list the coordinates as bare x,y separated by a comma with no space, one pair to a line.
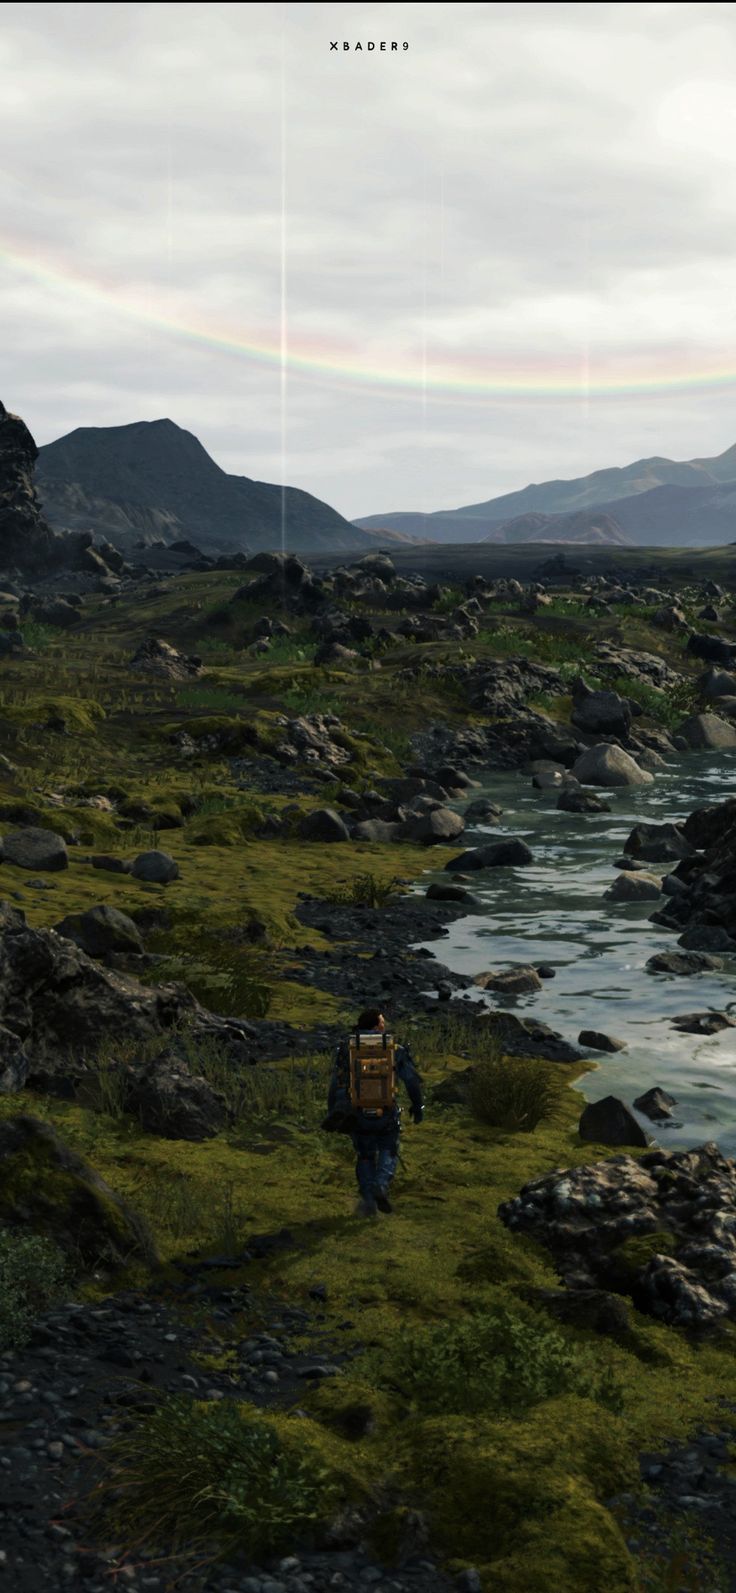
366,890
665,707
515,1093
500,1362
32,1273
212,1476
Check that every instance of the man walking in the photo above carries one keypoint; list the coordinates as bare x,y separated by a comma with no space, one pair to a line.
362,1099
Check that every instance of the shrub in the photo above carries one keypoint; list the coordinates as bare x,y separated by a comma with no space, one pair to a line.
213,1476
499,1362
32,1272
666,708
366,890
515,1093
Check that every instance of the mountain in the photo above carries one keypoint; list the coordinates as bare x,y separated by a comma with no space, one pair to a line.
589,526
152,480
659,500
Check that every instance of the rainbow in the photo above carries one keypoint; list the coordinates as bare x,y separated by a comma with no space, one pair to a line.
471,379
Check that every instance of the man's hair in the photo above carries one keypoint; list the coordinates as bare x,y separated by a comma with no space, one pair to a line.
369,1018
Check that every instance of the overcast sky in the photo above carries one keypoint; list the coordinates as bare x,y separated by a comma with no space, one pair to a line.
510,250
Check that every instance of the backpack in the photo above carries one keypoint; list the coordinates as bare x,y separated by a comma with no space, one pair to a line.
372,1073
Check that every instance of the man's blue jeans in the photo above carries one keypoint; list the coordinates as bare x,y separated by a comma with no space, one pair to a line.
377,1157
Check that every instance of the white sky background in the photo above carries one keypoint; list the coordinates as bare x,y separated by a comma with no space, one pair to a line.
536,188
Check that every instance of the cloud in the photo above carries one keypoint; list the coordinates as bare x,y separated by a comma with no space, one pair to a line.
536,188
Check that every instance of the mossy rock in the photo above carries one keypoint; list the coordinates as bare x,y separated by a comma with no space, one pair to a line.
48,1188
524,1498
627,1259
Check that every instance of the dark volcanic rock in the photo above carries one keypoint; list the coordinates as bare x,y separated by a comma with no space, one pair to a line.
656,1104
659,1227
27,542
35,848
596,1041
170,1101
58,1008
702,1022
681,962
324,824
610,1122
156,657
575,800
658,843
155,867
500,854
101,930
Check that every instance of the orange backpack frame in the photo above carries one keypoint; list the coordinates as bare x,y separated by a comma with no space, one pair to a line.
372,1073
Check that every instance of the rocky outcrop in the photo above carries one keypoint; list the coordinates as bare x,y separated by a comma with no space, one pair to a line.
27,542
661,1228
35,848
707,730
59,1010
707,898
156,657
28,545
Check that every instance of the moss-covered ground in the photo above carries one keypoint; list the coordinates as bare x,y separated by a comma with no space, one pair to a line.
522,1497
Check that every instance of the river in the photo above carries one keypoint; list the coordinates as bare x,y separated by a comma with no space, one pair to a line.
551,911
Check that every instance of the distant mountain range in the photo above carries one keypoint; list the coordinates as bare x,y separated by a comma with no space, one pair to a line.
152,481
653,502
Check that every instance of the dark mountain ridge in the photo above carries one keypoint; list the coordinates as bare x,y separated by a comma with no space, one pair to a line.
655,500
152,480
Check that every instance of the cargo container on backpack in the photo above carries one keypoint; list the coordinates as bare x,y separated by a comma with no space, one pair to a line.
372,1072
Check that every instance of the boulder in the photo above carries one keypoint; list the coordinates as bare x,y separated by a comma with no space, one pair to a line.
712,649
382,830
41,850
611,1122
608,765
47,1188
157,868
56,611
638,887
482,810
511,981
682,962
717,683
600,713
501,854
112,865
101,930
451,893
707,937
658,843
170,1101
702,1022
574,800
429,829
157,657
324,824
655,1104
707,730
594,1040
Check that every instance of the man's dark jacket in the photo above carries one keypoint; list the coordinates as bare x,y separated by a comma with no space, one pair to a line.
338,1099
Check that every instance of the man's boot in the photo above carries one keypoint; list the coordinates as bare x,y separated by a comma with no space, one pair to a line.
366,1207
382,1201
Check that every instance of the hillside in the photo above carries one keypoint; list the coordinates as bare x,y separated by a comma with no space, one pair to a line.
153,480
655,500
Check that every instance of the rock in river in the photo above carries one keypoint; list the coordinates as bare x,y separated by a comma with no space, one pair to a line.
501,854
608,765
682,962
611,1122
594,1040
638,887
707,730
510,981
